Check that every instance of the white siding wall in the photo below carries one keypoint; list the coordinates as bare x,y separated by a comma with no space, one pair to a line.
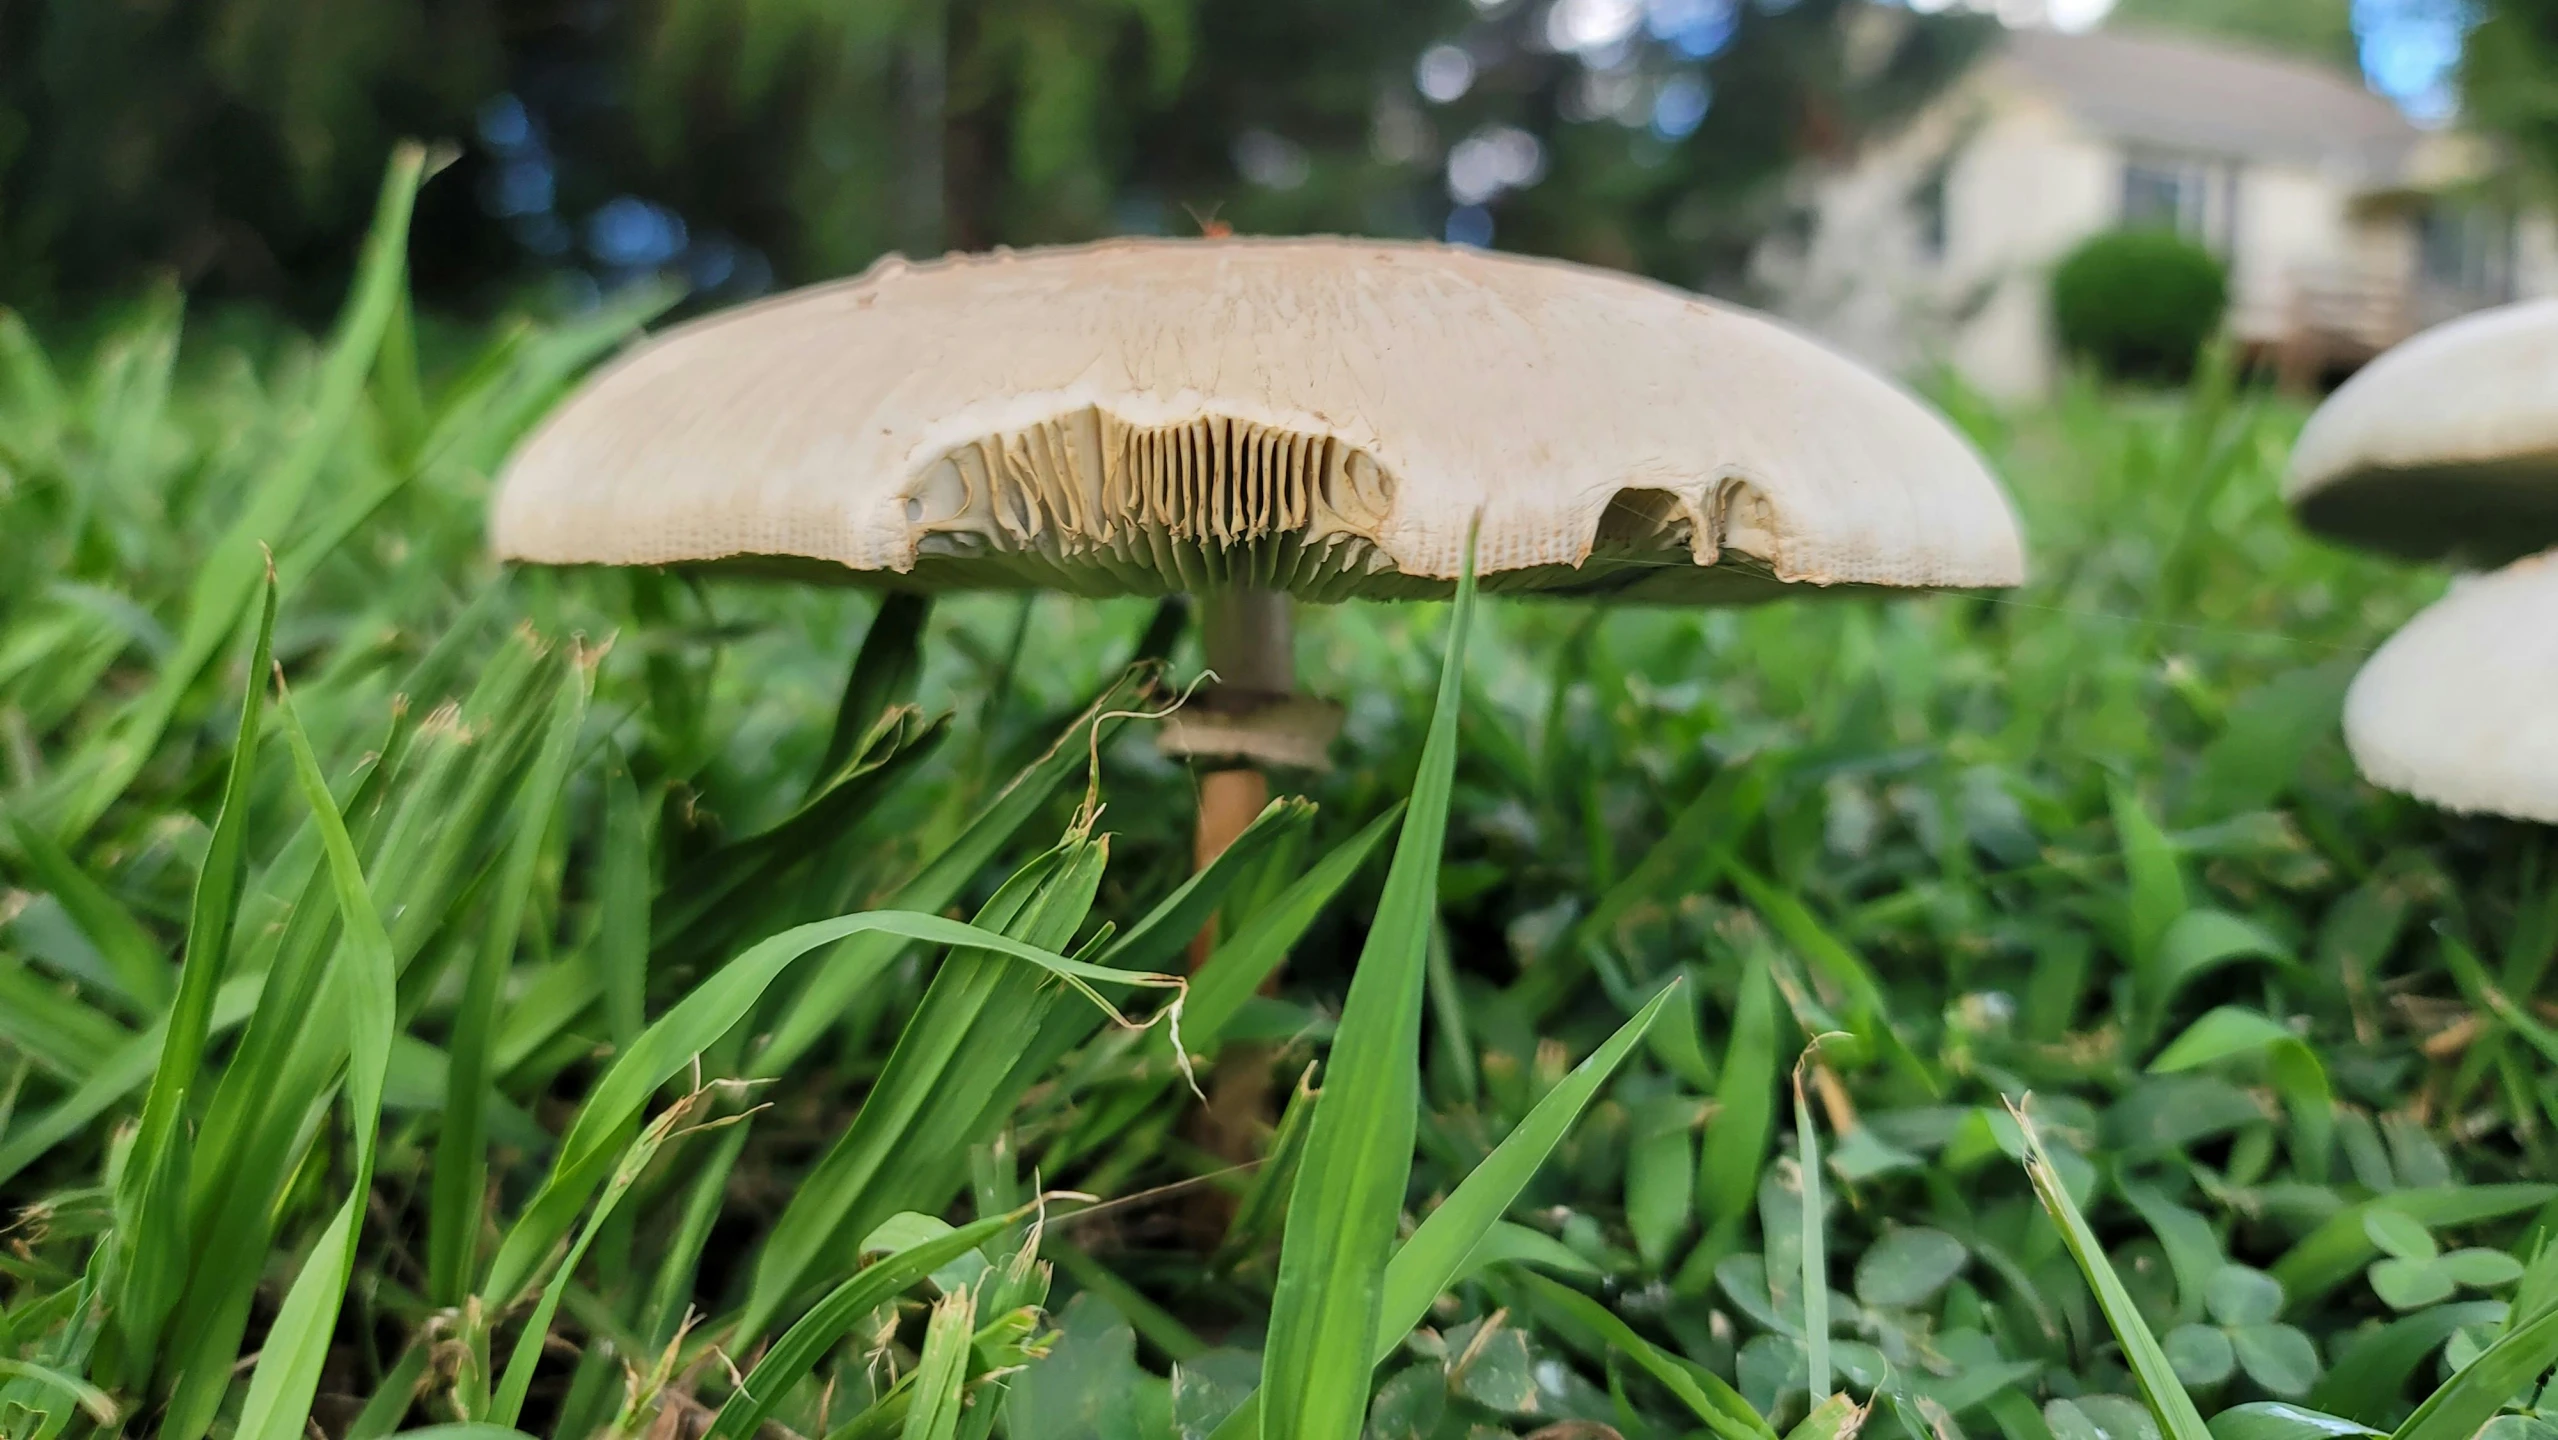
2029,187
1861,282
2536,257
2291,225
2022,187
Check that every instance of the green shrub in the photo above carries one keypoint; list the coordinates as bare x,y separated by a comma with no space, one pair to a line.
2139,303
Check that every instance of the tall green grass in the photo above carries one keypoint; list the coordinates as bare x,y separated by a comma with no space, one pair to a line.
640,1005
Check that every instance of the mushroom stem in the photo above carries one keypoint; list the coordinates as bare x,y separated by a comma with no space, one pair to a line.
1249,637
1228,801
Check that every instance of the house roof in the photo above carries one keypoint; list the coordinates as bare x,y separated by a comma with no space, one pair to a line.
2216,98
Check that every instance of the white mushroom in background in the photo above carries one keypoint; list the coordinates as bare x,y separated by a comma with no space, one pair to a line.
2447,448
1253,420
2460,708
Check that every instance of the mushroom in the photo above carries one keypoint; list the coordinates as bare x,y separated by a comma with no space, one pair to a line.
2455,708
2446,448
1257,421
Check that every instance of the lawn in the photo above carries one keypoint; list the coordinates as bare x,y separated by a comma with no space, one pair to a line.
459,1032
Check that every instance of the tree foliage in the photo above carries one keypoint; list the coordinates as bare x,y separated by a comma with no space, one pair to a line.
2509,80
231,142
2321,30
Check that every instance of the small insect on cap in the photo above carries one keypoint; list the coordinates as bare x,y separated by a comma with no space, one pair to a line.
2444,448
1323,418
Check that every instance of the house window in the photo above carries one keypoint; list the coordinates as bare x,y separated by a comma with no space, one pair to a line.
2468,249
2191,195
2160,196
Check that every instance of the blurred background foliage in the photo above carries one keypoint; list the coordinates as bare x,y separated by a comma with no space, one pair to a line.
2509,78
2316,29
231,144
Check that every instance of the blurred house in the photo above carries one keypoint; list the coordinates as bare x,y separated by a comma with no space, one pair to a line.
2344,226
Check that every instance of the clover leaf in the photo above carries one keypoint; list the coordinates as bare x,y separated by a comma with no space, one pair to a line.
2415,1271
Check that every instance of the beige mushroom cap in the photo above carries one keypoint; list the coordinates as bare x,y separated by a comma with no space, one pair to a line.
2456,709
2445,447
1323,417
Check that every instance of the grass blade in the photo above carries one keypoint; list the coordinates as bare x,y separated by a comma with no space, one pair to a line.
1240,963
2167,1399
670,1295
2472,1396
461,1153
151,1201
392,1398
2472,979
2193,1249
941,1373
622,934
691,1027
1162,1329
707,906
1736,1141
1161,933
1830,1419
1165,931
947,1084
424,819
216,903
297,1344
138,971
1701,1390
805,1343
1827,955
56,1032
812,1010
1690,855
1816,1252
1234,974
1350,1185
2230,1031
518,1380
99,1405
1454,1046
883,674
132,1066
2370,1373
1660,1174
1427,1263
2157,885
1448,1245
